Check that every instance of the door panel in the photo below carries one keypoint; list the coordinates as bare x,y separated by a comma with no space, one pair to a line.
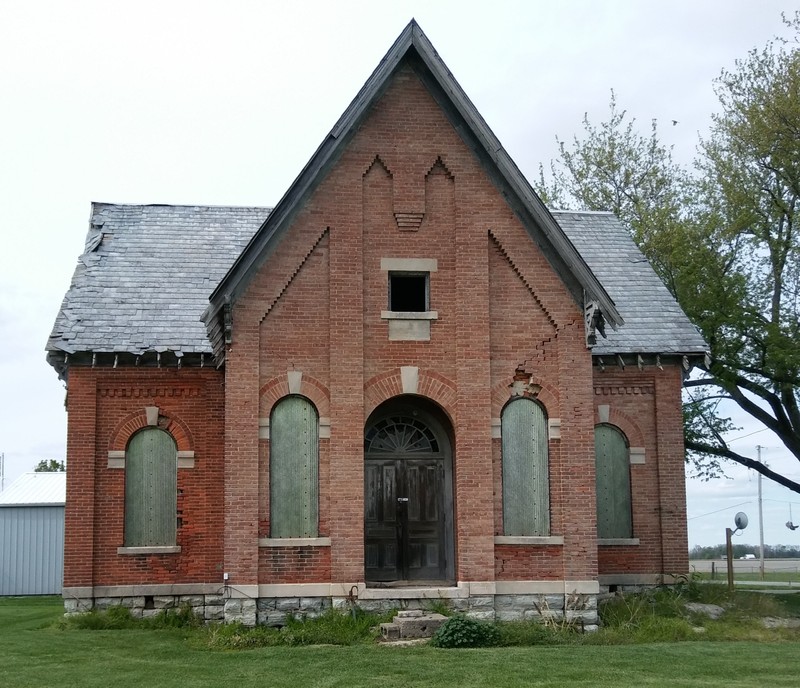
380,520
404,539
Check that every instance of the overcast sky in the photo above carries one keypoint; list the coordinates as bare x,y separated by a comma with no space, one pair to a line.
223,103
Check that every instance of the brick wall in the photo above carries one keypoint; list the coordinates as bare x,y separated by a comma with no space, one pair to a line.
323,287
645,405
105,406
405,187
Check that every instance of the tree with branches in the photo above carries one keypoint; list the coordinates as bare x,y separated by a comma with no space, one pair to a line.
723,237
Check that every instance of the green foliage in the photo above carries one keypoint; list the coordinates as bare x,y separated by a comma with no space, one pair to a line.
36,654
238,637
527,633
439,606
725,239
461,631
50,466
120,618
331,628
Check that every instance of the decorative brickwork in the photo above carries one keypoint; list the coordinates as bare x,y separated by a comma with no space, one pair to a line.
308,322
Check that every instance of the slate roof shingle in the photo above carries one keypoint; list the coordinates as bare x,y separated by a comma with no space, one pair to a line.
654,322
145,280
145,284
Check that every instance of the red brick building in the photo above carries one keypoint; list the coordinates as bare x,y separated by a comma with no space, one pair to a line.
395,385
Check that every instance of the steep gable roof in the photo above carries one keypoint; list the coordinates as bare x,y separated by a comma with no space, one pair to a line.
412,47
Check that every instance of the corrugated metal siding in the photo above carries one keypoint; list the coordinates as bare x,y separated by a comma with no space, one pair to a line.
526,480
31,550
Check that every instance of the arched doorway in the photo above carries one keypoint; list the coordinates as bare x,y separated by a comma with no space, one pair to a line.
408,494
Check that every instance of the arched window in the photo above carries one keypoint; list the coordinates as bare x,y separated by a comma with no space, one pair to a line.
526,480
151,463
294,468
612,467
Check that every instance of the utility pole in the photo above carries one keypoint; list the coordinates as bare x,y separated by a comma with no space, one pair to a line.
2,472
760,519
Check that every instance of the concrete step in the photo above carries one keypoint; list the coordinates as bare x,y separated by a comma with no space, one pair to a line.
412,623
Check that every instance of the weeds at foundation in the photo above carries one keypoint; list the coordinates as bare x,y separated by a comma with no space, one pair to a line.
331,628
655,615
120,618
439,606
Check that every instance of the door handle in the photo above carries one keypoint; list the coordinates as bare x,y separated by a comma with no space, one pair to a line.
402,499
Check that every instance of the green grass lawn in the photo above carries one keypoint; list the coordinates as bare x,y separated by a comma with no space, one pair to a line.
36,653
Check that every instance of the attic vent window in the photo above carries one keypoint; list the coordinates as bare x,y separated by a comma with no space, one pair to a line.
408,292
408,282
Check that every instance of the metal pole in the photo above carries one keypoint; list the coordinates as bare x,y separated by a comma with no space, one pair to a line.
729,549
760,519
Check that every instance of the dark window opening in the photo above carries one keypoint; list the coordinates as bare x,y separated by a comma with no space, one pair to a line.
408,292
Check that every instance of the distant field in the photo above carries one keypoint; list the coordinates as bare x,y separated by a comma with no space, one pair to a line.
775,570
787,566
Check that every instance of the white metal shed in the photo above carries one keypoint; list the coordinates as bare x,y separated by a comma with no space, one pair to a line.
32,535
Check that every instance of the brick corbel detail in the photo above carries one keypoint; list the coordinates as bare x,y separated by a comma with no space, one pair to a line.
137,420
528,283
430,384
294,274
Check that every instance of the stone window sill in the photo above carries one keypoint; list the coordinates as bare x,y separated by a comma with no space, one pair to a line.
612,542
295,542
409,315
529,540
155,549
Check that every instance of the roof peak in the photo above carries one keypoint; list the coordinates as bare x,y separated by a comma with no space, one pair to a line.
413,47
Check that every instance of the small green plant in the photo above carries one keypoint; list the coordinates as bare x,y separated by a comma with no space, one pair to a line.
439,606
461,631
182,617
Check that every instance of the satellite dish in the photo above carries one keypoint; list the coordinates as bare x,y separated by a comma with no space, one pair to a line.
740,520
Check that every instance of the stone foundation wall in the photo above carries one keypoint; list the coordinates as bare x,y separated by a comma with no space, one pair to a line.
575,608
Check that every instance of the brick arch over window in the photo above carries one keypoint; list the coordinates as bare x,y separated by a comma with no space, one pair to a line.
547,397
429,384
278,387
137,420
626,425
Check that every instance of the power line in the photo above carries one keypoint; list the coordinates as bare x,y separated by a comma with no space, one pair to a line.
718,511
741,437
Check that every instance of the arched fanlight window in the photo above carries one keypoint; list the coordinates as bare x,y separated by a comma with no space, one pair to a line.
526,480
151,463
294,468
612,468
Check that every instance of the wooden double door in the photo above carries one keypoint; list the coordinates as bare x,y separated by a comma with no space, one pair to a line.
408,499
